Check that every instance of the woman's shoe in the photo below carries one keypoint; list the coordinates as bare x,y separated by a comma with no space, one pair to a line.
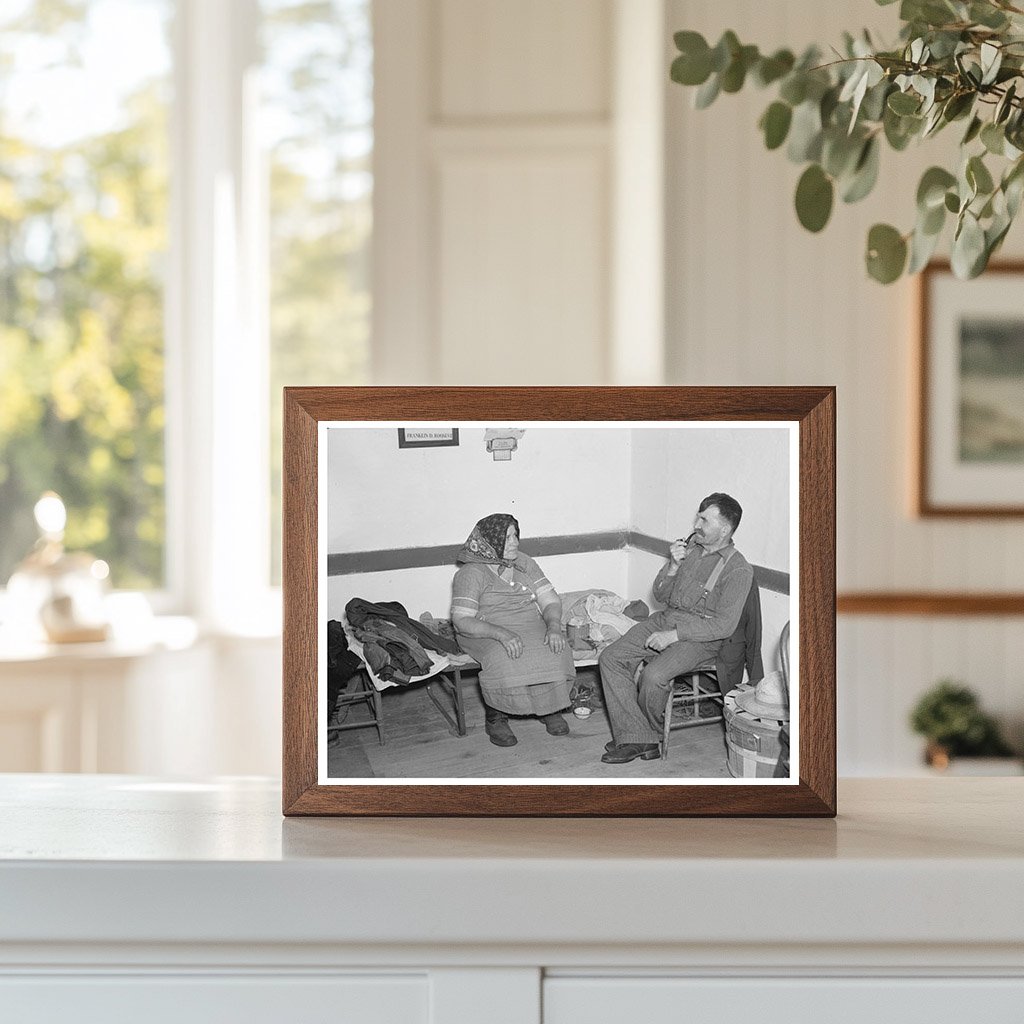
500,733
555,724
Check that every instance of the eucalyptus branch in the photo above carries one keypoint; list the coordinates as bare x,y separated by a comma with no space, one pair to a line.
833,117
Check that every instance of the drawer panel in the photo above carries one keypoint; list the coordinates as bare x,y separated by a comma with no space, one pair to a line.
202,999
569,1000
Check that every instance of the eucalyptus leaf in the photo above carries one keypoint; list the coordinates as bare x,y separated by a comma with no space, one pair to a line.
1013,191
900,130
857,78
944,44
873,106
805,133
973,129
993,138
771,69
931,190
903,103
865,174
991,60
775,123
922,248
958,105
987,15
827,106
724,51
794,88
978,176
814,194
689,42
1013,187
925,88
735,74
707,93
933,122
995,233
840,152
693,67
1004,106
932,221
886,253
968,247
930,12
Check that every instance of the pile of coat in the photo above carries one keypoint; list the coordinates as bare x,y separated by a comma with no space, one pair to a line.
342,664
596,617
394,645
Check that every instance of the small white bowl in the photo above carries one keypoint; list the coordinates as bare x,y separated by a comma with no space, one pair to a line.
581,712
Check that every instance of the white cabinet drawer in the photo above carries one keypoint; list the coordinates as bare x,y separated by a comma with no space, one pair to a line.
223,999
595,1000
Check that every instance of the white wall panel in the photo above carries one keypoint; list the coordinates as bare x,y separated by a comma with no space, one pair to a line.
531,58
752,298
505,133
523,279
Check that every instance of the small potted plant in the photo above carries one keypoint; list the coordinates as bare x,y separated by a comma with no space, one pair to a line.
951,719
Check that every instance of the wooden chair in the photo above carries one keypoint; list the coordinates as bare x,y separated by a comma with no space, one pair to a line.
691,690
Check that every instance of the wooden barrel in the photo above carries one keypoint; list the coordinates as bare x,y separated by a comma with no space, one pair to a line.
752,744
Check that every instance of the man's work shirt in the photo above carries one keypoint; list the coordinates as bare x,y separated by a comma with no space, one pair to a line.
694,612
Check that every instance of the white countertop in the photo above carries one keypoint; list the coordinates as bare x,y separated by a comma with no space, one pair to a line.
125,859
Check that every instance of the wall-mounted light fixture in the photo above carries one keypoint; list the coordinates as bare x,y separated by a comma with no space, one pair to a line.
502,442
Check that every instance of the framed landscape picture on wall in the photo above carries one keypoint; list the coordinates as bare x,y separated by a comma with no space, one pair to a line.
598,601
970,451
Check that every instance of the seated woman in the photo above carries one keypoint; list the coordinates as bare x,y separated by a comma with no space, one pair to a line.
509,618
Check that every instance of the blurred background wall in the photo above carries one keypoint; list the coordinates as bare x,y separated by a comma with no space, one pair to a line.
413,191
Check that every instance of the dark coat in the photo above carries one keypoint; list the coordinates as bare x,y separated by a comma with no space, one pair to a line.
357,611
342,664
743,649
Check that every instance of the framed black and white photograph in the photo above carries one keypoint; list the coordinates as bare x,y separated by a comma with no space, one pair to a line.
597,601
970,453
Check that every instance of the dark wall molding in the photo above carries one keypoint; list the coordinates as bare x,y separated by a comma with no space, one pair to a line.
390,559
929,603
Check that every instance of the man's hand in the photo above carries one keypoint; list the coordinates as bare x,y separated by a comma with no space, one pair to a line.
659,641
677,551
555,639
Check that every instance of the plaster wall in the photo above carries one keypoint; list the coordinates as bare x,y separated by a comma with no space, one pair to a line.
559,481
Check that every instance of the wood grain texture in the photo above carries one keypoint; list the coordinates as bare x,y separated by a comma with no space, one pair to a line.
299,596
924,505
925,603
817,572
812,407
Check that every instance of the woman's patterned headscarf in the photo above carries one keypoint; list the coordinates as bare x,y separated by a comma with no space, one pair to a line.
487,541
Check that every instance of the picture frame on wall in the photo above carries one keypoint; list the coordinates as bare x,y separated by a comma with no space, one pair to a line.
655,636
970,421
428,437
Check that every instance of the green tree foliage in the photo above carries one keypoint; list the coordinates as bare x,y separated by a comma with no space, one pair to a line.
318,87
957,61
82,228
83,236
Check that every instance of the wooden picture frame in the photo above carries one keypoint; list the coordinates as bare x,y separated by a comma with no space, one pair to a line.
969,447
807,417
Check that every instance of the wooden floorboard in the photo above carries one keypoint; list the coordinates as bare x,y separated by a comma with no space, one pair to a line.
420,744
